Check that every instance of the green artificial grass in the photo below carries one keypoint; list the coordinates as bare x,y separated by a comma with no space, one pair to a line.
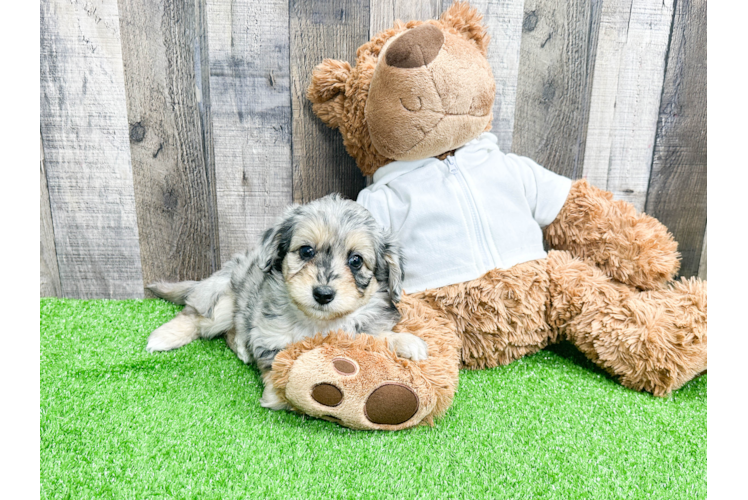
117,422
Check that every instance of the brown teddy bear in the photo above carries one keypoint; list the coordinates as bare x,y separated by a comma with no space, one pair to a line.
480,289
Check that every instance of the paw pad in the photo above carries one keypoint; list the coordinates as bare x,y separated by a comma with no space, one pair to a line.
391,404
327,394
360,390
344,367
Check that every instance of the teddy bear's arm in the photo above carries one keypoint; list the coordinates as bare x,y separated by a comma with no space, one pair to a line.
630,247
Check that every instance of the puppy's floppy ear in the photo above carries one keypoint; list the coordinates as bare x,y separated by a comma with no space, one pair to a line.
468,22
276,241
390,262
327,90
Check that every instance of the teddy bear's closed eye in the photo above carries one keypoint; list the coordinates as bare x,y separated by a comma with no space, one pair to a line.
412,103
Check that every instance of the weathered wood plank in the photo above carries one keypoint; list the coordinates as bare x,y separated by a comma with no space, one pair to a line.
629,71
322,29
714,230
202,81
49,274
713,120
173,194
385,12
555,82
702,261
87,151
503,19
250,108
677,186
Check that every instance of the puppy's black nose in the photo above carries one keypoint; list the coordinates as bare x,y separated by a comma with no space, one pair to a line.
323,294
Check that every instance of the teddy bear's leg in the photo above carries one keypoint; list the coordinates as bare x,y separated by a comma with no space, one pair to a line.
654,341
501,316
361,383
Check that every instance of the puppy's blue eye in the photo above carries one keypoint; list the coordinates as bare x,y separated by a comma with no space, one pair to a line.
355,261
306,252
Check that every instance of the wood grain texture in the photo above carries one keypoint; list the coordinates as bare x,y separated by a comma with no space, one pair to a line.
49,274
202,81
322,29
713,233
714,94
614,90
384,12
702,263
626,90
250,108
87,151
677,186
555,82
173,194
503,20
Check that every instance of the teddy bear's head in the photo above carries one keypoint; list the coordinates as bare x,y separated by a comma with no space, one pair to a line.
418,90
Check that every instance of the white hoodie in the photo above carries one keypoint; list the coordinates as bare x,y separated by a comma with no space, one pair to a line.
459,218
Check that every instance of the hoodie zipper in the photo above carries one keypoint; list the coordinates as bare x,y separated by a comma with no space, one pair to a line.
454,169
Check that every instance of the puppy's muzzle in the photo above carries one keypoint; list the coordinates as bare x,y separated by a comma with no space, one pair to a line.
323,294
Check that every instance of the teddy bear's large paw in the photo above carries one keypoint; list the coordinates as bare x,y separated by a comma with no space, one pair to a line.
362,386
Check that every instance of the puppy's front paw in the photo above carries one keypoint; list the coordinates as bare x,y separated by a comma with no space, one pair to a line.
407,345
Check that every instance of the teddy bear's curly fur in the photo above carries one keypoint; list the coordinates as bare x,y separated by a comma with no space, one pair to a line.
606,285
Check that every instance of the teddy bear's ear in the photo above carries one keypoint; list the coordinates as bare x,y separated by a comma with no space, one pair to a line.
327,90
468,22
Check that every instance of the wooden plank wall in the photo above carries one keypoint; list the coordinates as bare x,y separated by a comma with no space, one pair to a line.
87,150
677,184
173,133
174,197
384,12
629,71
322,29
555,81
49,273
250,105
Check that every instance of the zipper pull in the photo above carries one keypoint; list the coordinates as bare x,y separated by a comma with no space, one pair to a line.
451,164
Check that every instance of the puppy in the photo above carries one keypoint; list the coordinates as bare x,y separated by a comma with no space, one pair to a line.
326,265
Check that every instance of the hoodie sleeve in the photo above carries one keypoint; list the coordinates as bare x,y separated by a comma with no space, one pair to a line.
545,191
376,203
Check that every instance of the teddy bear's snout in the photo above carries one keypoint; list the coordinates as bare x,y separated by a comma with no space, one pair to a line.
416,48
432,89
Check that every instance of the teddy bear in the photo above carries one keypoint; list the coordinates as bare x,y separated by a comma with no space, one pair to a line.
481,289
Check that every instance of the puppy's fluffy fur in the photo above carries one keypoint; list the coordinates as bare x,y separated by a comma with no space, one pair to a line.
325,266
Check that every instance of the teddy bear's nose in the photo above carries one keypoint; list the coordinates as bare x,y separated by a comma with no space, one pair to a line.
416,48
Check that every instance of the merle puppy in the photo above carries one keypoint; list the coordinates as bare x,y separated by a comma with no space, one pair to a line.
324,266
